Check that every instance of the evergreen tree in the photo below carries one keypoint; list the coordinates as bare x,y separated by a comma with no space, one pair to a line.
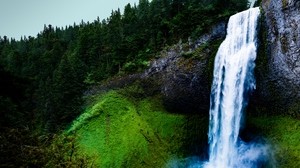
60,63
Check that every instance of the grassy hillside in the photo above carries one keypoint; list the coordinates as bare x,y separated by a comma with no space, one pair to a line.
284,134
121,128
116,131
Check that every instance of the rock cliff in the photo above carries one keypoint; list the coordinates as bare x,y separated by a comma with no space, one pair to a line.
184,73
278,77
185,83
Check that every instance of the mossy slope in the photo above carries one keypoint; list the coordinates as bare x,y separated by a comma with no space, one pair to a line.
284,135
118,132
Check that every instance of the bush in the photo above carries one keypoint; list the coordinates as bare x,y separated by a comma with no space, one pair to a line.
21,148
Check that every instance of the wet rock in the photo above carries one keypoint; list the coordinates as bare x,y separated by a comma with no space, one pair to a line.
279,79
182,83
185,82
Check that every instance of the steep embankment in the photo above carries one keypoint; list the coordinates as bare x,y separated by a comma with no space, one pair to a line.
116,133
122,129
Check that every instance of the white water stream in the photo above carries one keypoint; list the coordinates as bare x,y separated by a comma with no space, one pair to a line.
232,83
233,80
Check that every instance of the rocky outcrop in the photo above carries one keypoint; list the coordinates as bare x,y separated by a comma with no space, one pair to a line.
184,72
279,78
182,82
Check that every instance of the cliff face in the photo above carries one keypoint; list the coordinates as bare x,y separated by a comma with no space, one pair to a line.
279,78
185,83
184,73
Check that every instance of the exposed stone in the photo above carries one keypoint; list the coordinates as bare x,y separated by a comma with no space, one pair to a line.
182,82
185,83
280,86
217,32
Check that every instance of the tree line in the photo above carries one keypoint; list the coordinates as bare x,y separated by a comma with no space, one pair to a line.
43,78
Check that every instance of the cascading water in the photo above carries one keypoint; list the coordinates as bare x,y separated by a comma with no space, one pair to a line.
251,3
232,83
233,79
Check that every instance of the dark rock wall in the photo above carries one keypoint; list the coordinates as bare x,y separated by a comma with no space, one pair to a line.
278,84
182,82
185,82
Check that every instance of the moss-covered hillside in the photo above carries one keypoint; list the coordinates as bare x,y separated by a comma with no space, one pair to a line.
122,128
283,133
119,131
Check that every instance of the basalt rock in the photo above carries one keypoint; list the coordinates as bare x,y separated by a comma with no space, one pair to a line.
182,82
185,82
278,77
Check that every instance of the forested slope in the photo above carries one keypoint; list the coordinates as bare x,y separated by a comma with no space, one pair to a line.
49,80
60,63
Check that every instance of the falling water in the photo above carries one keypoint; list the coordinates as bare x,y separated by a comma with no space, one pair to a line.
232,83
233,80
251,3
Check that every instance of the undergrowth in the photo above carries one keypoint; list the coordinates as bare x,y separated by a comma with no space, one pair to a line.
22,148
284,134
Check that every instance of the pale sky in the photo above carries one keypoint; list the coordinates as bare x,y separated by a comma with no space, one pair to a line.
27,17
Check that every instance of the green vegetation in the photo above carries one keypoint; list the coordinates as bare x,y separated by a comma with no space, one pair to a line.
213,51
294,110
284,3
61,63
283,133
205,52
23,148
44,79
118,132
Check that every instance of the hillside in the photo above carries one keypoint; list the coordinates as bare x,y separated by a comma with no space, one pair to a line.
133,90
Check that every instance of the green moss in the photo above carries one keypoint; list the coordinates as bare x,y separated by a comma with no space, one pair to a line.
214,46
294,109
201,52
204,51
118,132
168,126
284,43
284,3
188,54
262,51
284,134
257,3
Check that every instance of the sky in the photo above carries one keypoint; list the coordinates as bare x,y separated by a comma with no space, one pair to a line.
28,17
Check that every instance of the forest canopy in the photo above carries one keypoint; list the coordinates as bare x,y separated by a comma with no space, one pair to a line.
43,78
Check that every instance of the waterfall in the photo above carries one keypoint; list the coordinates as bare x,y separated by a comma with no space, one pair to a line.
232,83
251,2
233,80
